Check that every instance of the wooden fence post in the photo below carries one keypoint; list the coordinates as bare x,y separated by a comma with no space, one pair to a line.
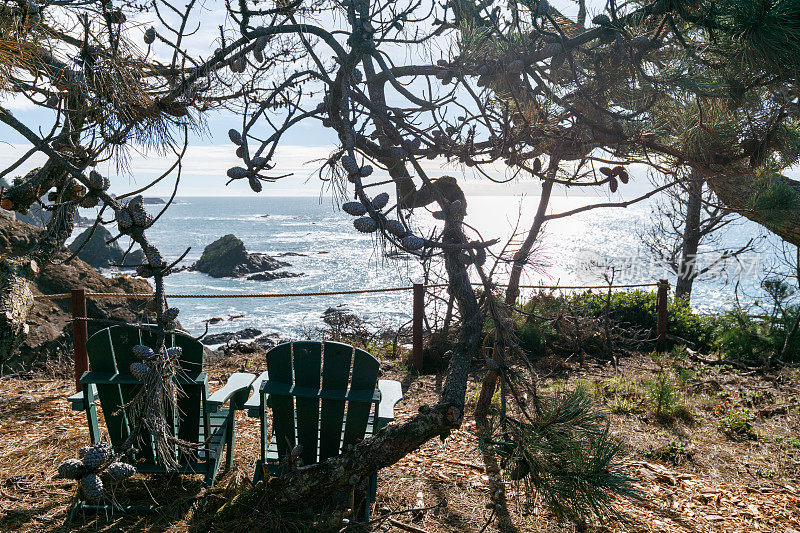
79,335
416,326
661,304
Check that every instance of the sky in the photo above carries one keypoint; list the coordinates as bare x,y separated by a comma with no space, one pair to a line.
210,153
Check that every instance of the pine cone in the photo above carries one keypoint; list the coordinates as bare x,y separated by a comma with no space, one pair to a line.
349,164
237,173
601,20
395,227
119,471
259,162
139,215
365,171
95,179
142,352
261,44
124,220
92,487
365,225
380,201
71,468
97,455
140,371
480,256
90,201
83,451
258,55
171,313
174,352
153,256
235,137
150,36
255,184
412,242
144,271
355,209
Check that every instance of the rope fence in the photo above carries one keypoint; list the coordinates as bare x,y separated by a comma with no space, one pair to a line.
144,295
80,332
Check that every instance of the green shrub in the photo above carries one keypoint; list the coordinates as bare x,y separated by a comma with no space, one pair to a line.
743,337
620,395
637,309
738,425
756,333
675,451
664,398
530,337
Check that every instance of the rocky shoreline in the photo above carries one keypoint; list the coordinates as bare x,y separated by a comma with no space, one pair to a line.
50,327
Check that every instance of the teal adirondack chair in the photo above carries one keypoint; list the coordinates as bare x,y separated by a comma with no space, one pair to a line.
329,414
198,414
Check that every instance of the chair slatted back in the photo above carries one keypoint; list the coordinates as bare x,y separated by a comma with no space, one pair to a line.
316,423
111,350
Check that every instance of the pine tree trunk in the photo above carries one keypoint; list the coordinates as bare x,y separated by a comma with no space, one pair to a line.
749,196
520,259
687,269
523,254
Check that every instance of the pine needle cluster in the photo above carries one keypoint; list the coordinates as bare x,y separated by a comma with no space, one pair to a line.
562,452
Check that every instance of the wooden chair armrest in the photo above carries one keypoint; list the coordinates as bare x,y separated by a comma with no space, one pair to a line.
391,393
77,400
253,403
238,383
110,378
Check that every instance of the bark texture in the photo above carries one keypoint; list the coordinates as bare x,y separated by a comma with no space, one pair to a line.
687,268
773,203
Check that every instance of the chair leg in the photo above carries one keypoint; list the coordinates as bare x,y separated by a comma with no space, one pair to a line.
231,439
370,495
213,467
91,417
258,475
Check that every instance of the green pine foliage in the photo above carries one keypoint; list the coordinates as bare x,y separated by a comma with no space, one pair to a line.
562,451
776,198
766,35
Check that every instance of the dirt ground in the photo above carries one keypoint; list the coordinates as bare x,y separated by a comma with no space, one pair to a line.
729,460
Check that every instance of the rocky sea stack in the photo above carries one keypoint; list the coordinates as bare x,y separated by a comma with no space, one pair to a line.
227,257
99,254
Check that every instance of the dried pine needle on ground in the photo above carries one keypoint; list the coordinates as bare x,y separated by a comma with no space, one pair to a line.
727,460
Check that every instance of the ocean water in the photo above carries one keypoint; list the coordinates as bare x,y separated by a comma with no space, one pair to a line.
319,241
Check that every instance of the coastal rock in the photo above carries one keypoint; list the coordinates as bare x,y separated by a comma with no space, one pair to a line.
153,201
269,276
230,336
99,254
227,257
269,341
50,333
